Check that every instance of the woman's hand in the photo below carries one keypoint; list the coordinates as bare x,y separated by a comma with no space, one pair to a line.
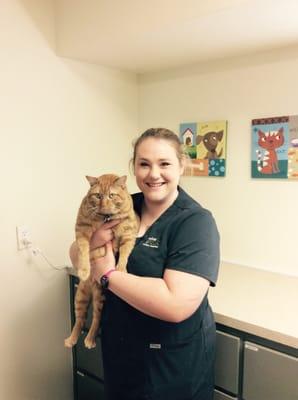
103,264
99,238
103,235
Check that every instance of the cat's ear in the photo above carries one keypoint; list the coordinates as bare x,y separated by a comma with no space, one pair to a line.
91,180
219,135
261,134
199,139
121,181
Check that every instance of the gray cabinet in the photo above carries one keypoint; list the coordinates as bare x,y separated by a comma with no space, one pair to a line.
227,362
269,374
89,361
88,388
251,368
222,396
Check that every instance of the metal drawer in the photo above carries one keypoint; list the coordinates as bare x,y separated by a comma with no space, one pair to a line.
227,362
269,374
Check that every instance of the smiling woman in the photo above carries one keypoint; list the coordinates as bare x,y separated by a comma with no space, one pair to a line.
157,169
158,331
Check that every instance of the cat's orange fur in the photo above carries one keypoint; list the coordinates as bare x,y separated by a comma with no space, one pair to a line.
107,199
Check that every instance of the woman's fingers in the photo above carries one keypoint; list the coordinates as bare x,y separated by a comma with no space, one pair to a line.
109,248
104,234
111,224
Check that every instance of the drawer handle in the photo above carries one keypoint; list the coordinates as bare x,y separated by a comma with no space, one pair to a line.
80,373
251,347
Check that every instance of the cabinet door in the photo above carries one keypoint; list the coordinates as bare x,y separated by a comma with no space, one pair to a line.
227,362
222,396
89,360
269,374
88,388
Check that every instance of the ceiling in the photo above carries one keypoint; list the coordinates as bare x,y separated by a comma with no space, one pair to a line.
150,35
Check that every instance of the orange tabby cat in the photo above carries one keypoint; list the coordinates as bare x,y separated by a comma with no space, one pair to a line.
107,199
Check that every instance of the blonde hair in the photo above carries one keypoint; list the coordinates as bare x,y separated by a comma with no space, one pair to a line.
160,133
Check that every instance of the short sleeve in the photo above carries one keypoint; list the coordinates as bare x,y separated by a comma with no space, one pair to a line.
193,245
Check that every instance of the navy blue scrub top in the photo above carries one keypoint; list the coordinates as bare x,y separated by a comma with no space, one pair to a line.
145,357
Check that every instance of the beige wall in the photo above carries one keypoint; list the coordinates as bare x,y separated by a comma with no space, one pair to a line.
257,219
60,120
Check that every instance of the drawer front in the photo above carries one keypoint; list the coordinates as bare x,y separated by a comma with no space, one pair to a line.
88,388
227,362
89,360
222,396
269,374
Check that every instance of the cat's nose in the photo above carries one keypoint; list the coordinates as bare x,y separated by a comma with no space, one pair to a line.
104,203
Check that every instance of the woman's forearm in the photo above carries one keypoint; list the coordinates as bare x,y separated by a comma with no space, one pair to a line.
153,297
129,287
148,295
172,298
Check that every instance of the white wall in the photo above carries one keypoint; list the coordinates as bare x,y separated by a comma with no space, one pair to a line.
257,219
60,120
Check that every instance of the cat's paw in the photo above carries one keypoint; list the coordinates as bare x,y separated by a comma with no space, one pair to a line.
69,342
121,267
89,342
84,274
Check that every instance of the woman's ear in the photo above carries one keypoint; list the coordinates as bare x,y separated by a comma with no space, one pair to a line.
132,167
182,169
183,163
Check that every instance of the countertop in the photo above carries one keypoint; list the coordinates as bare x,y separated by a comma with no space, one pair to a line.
258,302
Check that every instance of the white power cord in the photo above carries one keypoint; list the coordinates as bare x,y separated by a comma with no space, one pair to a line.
37,251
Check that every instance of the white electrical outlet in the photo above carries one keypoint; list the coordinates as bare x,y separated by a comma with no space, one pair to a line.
23,237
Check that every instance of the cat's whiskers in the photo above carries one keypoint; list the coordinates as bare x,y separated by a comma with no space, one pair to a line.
93,211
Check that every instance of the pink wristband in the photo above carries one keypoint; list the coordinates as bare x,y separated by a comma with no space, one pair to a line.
109,272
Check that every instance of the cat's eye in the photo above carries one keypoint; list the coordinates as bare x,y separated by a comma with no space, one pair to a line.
98,195
111,195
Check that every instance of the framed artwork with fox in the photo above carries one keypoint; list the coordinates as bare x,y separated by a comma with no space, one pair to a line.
205,144
275,148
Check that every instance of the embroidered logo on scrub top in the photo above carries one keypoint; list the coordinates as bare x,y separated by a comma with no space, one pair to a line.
151,242
155,346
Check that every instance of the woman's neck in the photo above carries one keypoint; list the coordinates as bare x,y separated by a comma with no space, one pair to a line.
151,211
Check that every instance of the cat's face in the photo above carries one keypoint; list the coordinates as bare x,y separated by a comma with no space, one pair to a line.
271,140
107,195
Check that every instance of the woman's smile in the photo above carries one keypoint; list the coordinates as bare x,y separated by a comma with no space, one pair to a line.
155,185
